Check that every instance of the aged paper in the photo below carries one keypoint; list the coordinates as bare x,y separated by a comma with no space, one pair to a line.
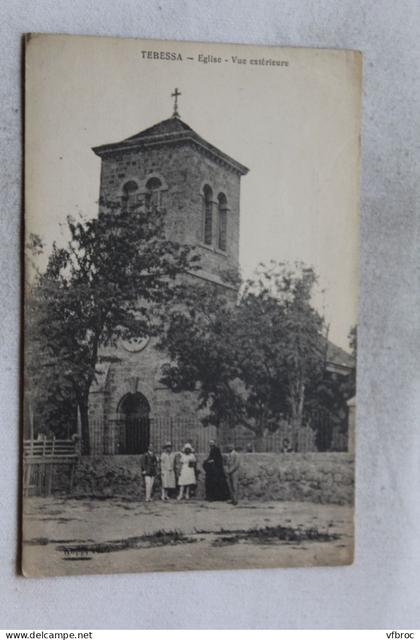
191,305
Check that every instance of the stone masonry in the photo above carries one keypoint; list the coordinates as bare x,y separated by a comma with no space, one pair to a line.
308,477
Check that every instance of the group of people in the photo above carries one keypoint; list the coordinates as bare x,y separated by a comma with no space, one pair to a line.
178,472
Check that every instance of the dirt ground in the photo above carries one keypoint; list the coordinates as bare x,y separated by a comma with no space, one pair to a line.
63,536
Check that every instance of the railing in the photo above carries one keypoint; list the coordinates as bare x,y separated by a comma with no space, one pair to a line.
179,431
119,435
122,435
50,448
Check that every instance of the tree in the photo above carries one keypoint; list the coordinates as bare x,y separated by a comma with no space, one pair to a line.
110,281
252,360
328,397
48,386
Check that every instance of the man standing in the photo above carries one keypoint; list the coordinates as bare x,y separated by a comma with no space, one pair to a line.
232,472
149,472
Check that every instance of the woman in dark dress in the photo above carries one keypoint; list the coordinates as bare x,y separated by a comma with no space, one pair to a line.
216,484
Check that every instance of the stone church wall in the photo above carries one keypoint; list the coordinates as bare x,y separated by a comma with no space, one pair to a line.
131,373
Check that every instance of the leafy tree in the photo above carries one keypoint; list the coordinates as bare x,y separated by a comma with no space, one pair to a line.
109,282
252,358
49,391
328,398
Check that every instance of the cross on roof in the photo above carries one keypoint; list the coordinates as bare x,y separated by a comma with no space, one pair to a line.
175,95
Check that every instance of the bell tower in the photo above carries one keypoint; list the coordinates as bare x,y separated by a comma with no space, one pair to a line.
170,166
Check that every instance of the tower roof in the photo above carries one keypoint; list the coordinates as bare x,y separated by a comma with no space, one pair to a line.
170,131
171,125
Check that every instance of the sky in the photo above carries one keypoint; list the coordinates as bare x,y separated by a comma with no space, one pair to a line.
295,127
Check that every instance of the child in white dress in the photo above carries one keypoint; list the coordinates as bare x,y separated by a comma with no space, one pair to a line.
187,477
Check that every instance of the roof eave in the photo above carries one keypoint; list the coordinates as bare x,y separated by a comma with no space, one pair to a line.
338,367
170,138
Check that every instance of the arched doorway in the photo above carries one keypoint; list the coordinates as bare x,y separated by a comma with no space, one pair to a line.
134,411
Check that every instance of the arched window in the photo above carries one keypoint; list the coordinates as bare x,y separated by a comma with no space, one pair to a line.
153,194
222,221
208,215
129,197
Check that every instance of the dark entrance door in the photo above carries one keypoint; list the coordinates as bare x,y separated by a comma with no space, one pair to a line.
134,413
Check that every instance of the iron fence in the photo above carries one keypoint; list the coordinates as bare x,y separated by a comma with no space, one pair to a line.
132,435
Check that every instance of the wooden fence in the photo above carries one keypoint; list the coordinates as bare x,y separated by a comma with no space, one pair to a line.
46,463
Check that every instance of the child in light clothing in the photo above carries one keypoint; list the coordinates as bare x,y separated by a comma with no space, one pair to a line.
187,477
167,470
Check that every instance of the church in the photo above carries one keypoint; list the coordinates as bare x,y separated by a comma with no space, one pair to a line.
171,167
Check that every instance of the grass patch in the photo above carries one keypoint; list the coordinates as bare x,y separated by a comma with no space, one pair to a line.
59,520
272,535
37,541
157,539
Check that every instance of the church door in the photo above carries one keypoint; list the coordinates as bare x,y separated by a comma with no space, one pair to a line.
134,421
